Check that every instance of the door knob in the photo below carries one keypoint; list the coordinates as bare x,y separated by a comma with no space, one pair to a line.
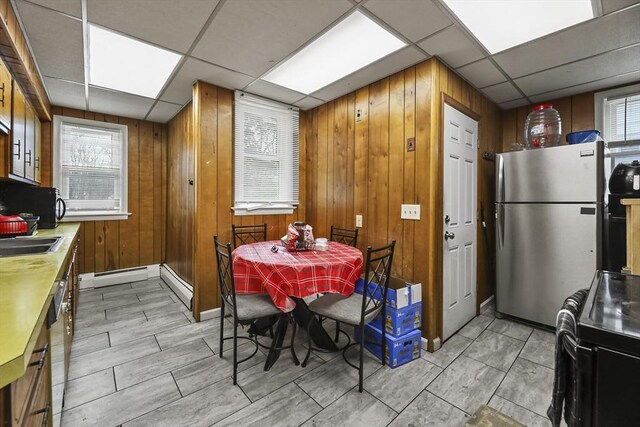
449,235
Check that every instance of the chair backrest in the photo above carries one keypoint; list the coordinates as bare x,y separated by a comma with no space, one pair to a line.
225,272
376,272
243,234
344,235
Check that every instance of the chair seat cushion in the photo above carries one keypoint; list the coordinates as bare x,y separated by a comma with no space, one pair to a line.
255,306
344,309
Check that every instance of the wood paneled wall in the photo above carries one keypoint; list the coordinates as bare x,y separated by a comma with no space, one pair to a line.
200,148
138,240
363,167
576,113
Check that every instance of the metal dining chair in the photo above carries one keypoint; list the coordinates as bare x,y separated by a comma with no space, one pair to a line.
358,310
245,309
349,237
248,234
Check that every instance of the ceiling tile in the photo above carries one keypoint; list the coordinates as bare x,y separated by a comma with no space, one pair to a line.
623,79
118,103
482,73
162,112
170,23
180,90
609,6
413,19
252,36
602,66
65,94
56,41
308,103
70,7
583,40
395,62
514,104
452,46
275,92
502,92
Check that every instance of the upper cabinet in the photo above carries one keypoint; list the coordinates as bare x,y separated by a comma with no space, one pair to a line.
18,122
30,143
5,97
38,158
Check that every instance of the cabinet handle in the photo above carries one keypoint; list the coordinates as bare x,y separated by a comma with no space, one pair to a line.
2,89
19,145
28,153
40,363
46,411
38,163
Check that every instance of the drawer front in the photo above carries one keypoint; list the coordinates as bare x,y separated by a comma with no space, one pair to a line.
22,388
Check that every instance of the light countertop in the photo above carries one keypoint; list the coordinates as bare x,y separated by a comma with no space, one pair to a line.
26,290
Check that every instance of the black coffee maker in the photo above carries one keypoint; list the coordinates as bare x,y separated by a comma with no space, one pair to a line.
624,183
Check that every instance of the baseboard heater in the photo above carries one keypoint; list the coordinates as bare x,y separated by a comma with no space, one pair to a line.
116,277
180,287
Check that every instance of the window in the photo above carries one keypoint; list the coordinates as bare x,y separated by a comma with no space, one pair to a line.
618,117
89,168
266,156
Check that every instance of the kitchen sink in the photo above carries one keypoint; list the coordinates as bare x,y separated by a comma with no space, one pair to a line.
28,246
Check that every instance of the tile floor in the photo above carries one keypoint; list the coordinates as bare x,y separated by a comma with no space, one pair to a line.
139,359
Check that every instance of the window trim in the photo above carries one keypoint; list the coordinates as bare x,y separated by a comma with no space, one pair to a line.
123,214
263,208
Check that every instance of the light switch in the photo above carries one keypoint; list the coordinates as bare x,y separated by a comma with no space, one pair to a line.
410,212
359,221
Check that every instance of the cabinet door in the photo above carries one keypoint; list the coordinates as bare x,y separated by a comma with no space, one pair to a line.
38,159
17,132
30,144
5,96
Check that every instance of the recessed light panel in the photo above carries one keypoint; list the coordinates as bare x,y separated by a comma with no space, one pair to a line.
352,44
127,65
501,24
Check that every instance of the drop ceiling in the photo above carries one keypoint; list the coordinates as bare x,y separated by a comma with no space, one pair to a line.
233,43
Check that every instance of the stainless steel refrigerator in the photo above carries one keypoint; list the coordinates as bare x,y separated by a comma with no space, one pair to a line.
548,227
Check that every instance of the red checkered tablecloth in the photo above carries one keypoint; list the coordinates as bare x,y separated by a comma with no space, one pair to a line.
299,274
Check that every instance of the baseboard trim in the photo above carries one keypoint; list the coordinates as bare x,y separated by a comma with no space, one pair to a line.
210,314
486,302
424,343
117,277
180,287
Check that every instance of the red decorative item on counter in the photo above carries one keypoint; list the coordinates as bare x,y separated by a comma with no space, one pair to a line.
12,225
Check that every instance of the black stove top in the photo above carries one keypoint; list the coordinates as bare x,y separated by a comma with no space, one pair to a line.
611,314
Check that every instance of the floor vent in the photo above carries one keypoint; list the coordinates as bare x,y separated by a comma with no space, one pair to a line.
116,277
180,287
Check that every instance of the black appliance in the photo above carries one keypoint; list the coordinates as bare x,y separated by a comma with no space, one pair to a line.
39,201
608,352
624,183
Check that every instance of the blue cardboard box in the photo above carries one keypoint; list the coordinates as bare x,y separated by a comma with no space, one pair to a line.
400,350
399,295
400,321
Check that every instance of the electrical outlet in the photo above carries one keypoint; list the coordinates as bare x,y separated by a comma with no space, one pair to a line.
359,221
410,212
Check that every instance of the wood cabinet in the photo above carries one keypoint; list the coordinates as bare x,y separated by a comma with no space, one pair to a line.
26,401
30,143
5,97
38,155
18,122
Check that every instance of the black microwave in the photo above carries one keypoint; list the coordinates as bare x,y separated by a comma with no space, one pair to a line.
40,201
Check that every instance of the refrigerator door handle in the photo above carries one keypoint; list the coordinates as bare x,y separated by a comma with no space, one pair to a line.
500,224
500,190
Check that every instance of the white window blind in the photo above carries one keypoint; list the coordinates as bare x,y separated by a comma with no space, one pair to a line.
622,119
266,156
90,170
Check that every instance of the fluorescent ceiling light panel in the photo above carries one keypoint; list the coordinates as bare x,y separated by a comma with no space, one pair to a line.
354,43
127,65
501,24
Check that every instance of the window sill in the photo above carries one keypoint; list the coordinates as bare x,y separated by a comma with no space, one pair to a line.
263,210
95,217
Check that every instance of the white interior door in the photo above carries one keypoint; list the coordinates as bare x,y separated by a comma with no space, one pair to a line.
459,225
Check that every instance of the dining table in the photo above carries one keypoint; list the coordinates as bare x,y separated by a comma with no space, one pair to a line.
290,277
